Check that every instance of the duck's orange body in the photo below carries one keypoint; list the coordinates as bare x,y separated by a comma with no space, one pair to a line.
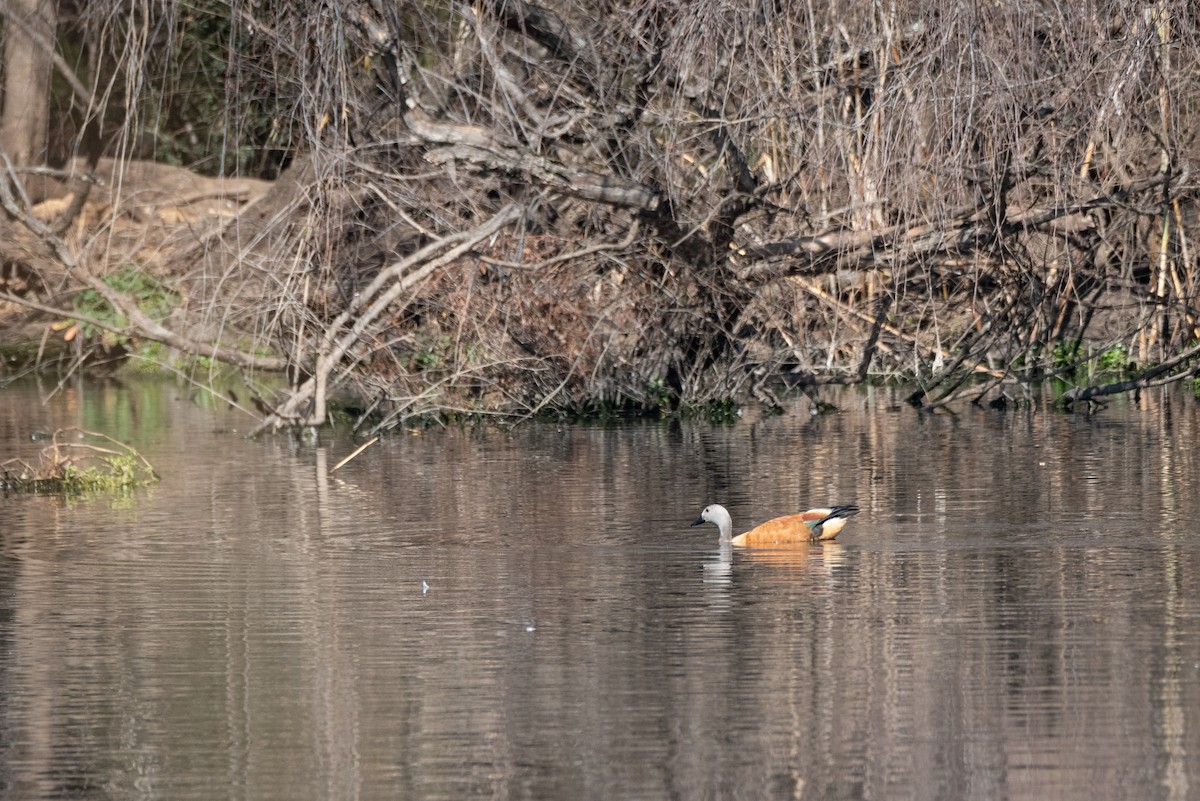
814,525
793,528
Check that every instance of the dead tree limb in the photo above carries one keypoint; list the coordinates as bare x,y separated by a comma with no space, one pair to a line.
348,328
1157,376
477,145
963,229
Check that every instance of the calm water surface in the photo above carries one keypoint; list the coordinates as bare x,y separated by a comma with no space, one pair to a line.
526,614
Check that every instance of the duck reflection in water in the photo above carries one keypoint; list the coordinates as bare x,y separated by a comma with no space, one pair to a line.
783,562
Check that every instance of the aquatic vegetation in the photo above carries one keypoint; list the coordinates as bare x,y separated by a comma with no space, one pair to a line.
76,462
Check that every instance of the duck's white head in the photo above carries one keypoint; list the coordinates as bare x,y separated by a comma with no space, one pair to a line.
719,517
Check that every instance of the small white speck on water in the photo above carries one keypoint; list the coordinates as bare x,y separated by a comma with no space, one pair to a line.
424,587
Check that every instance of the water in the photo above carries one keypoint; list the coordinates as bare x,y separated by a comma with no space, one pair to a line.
526,614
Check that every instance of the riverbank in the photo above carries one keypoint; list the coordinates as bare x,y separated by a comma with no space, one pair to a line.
639,223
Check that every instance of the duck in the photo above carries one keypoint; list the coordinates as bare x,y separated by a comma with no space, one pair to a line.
814,525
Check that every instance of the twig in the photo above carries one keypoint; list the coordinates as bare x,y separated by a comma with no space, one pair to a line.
357,451
573,255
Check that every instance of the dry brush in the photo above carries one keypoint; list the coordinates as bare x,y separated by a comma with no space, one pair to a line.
505,207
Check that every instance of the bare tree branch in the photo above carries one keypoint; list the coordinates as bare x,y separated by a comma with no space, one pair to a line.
384,290
139,323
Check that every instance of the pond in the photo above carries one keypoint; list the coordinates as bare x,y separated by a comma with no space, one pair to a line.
525,613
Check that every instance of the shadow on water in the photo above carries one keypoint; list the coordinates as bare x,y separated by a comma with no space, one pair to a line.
527,613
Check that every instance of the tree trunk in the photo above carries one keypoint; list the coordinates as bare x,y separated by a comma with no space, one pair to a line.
29,27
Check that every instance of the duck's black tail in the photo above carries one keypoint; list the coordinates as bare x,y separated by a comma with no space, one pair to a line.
850,510
836,519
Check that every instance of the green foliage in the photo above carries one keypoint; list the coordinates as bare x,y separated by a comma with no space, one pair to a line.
434,353
1082,364
151,295
1114,361
724,411
208,112
658,395
1067,355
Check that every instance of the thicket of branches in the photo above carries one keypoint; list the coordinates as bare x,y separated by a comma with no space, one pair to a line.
508,207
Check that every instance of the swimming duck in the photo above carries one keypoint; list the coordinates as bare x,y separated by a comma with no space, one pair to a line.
815,525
